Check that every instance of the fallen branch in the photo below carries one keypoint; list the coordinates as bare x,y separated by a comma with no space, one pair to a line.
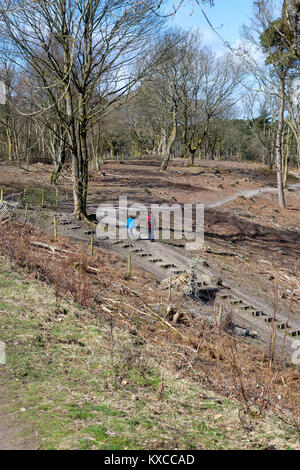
51,248
156,315
55,250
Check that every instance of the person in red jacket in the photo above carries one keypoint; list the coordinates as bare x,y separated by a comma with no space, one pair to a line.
150,226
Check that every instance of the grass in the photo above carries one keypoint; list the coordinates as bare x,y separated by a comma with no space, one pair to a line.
85,384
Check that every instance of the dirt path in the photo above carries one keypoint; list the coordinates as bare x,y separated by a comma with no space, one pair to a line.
247,194
14,434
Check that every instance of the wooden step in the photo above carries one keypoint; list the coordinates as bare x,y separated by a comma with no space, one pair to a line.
282,325
256,313
225,296
294,333
236,301
178,271
268,319
246,307
65,222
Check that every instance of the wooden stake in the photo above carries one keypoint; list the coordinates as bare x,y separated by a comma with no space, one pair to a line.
55,228
43,199
220,316
129,265
170,288
1,196
26,210
92,244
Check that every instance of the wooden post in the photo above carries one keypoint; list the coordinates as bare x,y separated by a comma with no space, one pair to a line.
170,288
55,228
92,244
220,317
129,265
26,210
1,196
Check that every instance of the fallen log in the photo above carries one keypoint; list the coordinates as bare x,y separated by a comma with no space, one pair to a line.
56,251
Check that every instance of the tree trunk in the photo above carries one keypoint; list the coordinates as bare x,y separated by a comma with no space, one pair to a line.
169,143
298,149
80,175
193,149
59,159
286,157
278,146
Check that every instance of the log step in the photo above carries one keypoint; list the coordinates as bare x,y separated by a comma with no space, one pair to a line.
225,296
65,222
256,313
246,307
236,301
268,319
282,326
295,333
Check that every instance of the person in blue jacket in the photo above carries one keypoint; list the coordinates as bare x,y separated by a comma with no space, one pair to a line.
131,227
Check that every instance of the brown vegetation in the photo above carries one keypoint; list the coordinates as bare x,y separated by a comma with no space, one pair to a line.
198,349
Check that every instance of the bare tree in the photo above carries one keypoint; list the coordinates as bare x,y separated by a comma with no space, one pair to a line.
80,52
269,34
279,55
209,90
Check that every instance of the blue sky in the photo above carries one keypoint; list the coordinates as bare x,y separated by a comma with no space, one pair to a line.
227,16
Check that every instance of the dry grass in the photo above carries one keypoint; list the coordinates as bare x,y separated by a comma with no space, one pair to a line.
81,382
196,349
